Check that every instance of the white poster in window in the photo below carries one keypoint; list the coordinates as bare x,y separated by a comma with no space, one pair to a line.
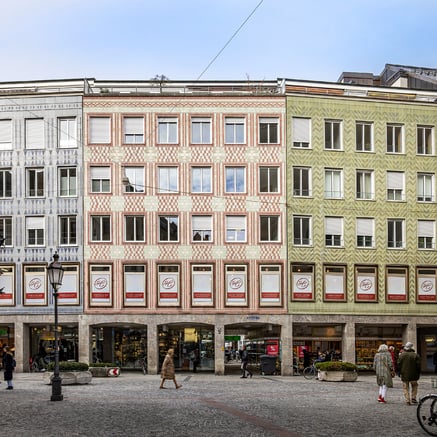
101,294
426,288
35,286
168,288
7,295
134,289
302,286
202,289
270,288
236,293
334,286
68,293
366,289
396,288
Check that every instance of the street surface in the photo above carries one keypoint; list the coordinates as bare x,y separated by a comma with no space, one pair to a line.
208,405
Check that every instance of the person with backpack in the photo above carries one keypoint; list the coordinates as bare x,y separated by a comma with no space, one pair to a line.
244,363
8,367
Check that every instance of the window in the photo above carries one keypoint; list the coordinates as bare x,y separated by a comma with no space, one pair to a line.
333,183
169,285
302,230
35,227
426,234
334,283
395,185
134,228
364,136
269,179
6,230
365,232
365,184
236,285
100,130
302,181
201,180
168,228
395,237
202,284
425,144
366,283
425,187
133,130
67,132
270,284
334,231
134,283
269,228
135,182
67,231
167,130
302,282
395,138
333,135
5,183
34,133
101,228
201,228
268,130
5,134
35,182
235,179
234,130
100,179
235,229
67,182
200,130
301,132
167,179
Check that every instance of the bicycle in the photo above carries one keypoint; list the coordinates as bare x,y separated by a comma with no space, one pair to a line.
310,372
427,413
143,364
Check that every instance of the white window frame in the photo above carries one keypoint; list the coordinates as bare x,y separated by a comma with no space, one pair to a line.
35,231
365,232
365,180
165,234
334,232
333,135
396,230
67,132
302,176
235,179
269,228
201,179
201,130
395,138
301,224
202,284
99,130
68,230
364,136
236,228
137,223
6,230
333,183
34,133
98,224
201,228
425,187
168,180
100,179
425,140
235,130
35,182
5,183
268,179
301,132
268,130
167,130
133,130
395,186
270,284
70,181
135,179
426,234
5,134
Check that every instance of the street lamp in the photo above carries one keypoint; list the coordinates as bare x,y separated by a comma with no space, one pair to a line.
56,273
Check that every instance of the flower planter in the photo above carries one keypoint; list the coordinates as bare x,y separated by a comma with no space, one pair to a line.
70,378
337,375
104,371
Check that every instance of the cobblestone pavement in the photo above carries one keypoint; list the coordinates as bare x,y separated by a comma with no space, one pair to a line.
207,405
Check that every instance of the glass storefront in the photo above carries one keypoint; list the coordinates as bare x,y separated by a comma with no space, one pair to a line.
187,342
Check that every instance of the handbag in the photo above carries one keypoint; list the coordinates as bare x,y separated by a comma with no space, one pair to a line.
392,372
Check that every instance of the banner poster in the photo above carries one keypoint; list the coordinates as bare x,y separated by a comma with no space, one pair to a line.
302,286
270,286
7,286
366,289
68,293
35,285
100,281
334,286
202,283
236,292
426,288
396,288
168,289
135,287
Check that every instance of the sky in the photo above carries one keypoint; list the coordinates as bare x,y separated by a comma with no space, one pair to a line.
212,39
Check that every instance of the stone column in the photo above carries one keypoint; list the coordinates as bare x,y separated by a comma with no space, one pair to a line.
348,343
410,334
20,343
219,347
152,349
287,346
85,346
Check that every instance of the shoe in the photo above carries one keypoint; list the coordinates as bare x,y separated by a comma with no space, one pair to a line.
379,398
413,401
243,377
178,386
251,375
382,400
9,388
162,387
407,402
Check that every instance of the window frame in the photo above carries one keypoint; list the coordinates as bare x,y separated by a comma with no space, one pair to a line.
6,134
70,180
204,126
168,220
301,132
5,183
37,225
425,196
393,231
99,129
332,224
167,130
101,225
35,182
168,179
34,133
205,182
395,186
365,232
233,136
364,140
300,171
272,178
130,130
233,175
239,233
332,176
70,236
395,142
333,139
6,230
425,140
67,138
304,223
199,226
138,228
100,179
426,234
135,182
361,182
268,127
269,229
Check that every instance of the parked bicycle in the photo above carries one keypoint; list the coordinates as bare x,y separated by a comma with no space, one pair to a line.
143,364
427,413
310,372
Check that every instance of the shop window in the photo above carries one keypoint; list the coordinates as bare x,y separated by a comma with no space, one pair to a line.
134,285
334,283
270,283
366,284
202,285
169,285
35,285
396,284
425,284
7,285
236,285
100,285
302,282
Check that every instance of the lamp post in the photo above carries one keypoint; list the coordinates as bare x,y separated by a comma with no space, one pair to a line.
56,273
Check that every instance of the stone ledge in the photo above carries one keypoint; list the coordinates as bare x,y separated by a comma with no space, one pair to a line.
70,378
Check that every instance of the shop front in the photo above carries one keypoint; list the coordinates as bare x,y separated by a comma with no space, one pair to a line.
7,335
192,344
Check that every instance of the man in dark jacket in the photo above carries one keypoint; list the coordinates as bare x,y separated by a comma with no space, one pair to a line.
244,363
409,368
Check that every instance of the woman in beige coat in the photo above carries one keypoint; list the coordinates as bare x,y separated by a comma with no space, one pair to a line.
167,370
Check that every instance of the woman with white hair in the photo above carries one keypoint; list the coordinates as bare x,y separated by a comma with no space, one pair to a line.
383,366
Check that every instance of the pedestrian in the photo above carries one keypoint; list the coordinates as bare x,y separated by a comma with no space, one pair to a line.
194,358
434,361
8,367
383,366
391,349
306,358
245,363
167,369
409,368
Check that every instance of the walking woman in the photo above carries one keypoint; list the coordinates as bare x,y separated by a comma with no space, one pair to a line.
167,370
8,366
383,366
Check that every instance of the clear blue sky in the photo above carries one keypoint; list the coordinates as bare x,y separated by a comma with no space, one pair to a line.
138,39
